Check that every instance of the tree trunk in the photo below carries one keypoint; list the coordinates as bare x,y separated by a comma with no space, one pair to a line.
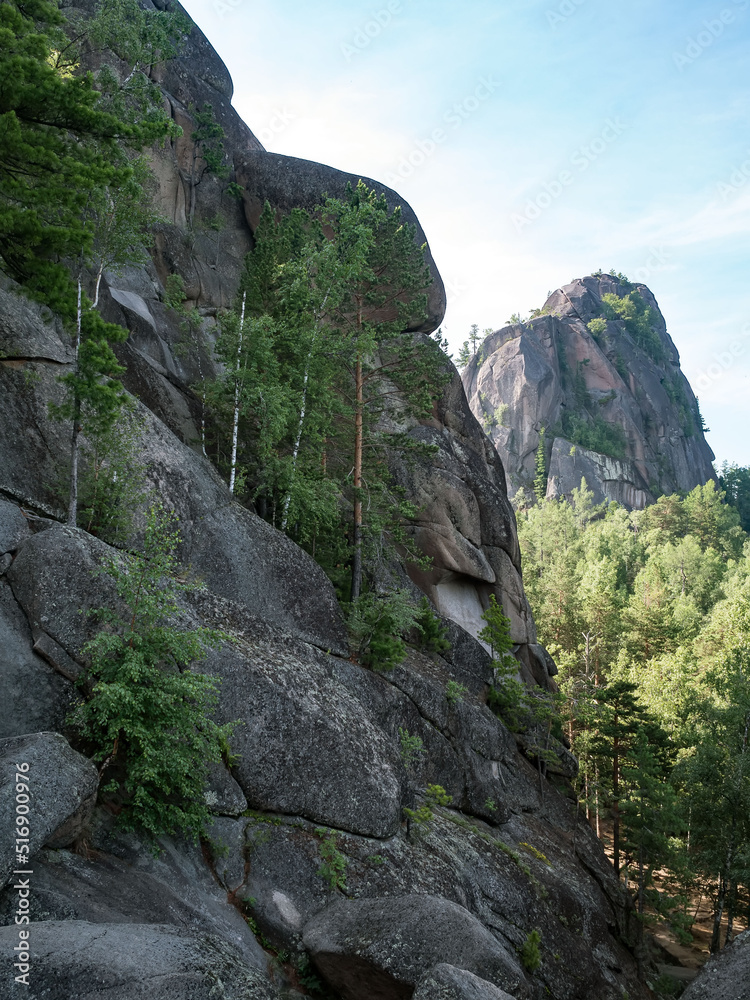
357,554
616,801
236,420
730,911
716,936
72,518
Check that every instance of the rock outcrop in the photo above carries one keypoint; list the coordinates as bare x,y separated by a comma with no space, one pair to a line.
726,976
615,410
255,914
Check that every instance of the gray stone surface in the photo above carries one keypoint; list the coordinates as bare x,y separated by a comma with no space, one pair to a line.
121,961
34,697
224,797
446,982
726,976
306,747
382,947
14,527
117,879
63,786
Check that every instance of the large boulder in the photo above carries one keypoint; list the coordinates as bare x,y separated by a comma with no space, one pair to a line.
35,696
725,976
287,182
124,961
53,785
379,948
446,982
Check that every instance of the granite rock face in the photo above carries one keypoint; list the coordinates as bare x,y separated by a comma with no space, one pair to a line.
553,373
446,982
726,976
58,797
319,773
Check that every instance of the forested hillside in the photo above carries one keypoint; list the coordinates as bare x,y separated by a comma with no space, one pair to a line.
648,616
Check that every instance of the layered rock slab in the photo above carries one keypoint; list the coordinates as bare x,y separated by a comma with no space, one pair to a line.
725,976
48,782
446,982
380,948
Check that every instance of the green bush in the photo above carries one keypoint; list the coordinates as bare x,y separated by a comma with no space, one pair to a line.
435,795
148,717
507,693
597,328
412,748
377,625
333,863
530,954
433,635
455,692
638,320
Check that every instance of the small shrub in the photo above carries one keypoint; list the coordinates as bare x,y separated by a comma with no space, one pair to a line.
435,795
433,635
455,692
377,625
530,954
148,717
412,748
490,805
333,863
597,328
529,848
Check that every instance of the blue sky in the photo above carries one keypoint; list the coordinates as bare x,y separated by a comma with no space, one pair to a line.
537,140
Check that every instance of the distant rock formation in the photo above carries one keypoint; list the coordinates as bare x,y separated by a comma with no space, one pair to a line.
609,395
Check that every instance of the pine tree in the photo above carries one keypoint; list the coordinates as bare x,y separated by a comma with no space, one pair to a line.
540,480
59,149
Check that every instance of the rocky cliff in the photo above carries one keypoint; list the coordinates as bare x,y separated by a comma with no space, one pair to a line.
446,911
598,372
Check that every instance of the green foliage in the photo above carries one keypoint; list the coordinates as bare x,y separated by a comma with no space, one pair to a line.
321,358
536,853
638,319
645,614
112,484
735,481
455,692
412,748
433,635
594,433
435,796
598,328
377,626
333,863
464,356
507,693
540,480
531,955
148,718
64,142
